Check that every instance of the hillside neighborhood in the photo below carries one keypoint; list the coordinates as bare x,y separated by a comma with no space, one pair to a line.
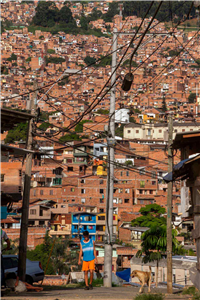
59,131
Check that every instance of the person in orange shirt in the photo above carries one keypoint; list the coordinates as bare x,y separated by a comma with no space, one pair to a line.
87,249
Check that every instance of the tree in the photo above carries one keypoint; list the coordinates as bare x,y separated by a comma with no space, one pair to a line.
12,57
89,60
192,98
79,126
70,137
112,11
164,106
19,133
61,259
102,111
120,130
105,61
151,216
154,245
84,23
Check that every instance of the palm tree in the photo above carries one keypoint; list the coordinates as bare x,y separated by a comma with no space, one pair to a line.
154,245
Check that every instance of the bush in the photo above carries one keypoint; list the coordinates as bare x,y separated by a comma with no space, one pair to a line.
149,297
189,291
51,51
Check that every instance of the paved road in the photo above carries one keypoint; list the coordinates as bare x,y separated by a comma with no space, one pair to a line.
99,293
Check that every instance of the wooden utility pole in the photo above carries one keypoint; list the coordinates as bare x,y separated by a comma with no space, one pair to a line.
169,207
26,195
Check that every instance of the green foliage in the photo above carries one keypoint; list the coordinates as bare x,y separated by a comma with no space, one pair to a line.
17,134
28,59
129,163
89,60
14,249
41,37
105,61
192,291
192,98
51,51
45,125
149,297
28,1
127,63
12,57
48,15
173,53
154,243
79,126
70,137
132,120
54,60
151,216
189,291
84,23
62,256
102,111
64,81
112,11
139,8
120,130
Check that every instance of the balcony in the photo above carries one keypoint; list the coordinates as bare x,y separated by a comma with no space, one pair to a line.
60,232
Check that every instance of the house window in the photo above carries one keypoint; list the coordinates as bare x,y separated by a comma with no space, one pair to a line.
83,200
34,192
142,183
128,131
82,191
140,191
101,191
20,189
63,206
151,192
127,173
183,130
153,174
2,177
101,210
101,181
82,180
121,173
101,200
57,181
41,222
51,192
20,173
70,169
160,131
126,200
72,189
41,212
127,191
120,191
73,200
33,211
137,131
41,192
153,183
120,201
88,218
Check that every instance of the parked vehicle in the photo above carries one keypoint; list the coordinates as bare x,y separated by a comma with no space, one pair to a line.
34,272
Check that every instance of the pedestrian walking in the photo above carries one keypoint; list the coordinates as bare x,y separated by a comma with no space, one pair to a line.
87,249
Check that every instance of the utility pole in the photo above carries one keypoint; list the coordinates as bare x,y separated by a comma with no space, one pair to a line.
26,195
110,177
169,207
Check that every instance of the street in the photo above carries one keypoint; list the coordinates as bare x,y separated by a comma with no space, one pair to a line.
100,293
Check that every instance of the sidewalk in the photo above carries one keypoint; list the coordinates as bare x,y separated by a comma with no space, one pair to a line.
98,293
